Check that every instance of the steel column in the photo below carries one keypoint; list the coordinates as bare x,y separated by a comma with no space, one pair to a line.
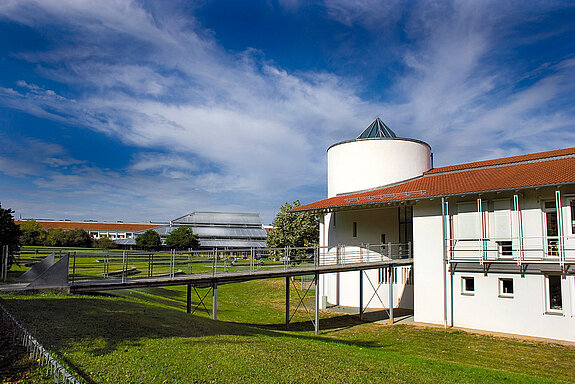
215,300
287,302
390,281
360,294
316,303
189,299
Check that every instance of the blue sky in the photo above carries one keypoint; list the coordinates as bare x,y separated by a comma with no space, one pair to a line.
147,110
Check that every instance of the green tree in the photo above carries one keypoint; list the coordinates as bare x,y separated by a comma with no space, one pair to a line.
78,238
149,240
32,233
182,238
56,238
293,229
104,243
9,233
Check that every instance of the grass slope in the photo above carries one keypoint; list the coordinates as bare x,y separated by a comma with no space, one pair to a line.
145,336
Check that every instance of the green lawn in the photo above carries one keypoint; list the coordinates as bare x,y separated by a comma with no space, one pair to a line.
145,336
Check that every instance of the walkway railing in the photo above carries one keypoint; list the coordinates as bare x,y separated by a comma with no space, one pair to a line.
129,264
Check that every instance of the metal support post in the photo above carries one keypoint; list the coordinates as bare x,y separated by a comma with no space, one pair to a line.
444,234
189,299
391,272
123,266
360,294
316,303
73,267
287,301
215,300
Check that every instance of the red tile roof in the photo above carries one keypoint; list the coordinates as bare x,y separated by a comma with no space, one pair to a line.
538,169
93,226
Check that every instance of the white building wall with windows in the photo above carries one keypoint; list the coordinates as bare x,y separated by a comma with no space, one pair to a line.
509,302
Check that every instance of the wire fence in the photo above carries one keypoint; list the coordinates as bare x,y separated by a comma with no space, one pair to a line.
36,350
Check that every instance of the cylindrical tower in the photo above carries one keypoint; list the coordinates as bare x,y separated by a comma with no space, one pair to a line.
376,158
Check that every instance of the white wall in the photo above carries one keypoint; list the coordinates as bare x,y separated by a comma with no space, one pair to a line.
428,295
524,313
363,164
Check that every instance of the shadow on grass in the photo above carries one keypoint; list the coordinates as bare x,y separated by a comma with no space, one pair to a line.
109,324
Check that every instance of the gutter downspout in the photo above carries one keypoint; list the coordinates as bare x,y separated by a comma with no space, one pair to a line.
444,233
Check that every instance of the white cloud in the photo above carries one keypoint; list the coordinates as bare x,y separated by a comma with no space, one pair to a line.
214,124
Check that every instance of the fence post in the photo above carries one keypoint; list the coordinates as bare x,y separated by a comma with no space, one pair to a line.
73,267
123,266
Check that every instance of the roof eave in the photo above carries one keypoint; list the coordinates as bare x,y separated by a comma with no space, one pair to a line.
379,204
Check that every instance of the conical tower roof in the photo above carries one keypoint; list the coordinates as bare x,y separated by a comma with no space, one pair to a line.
377,129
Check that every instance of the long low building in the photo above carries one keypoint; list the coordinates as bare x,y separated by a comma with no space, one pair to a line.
493,242
98,229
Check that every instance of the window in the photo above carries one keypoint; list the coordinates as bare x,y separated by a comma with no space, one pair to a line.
554,296
383,238
505,287
552,230
505,248
333,215
467,285
405,215
354,230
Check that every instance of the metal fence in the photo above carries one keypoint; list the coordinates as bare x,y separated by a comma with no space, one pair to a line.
36,350
517,249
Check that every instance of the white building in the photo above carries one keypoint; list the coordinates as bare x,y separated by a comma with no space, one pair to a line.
493,242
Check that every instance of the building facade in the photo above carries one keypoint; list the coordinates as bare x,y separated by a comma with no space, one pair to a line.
97,229
221,230
493,242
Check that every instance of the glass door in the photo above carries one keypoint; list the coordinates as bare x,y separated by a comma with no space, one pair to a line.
552,231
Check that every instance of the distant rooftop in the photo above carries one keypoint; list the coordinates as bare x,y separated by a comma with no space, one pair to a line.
377,129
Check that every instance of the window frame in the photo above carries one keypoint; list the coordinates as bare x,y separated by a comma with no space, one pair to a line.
548,309
501,283
464,290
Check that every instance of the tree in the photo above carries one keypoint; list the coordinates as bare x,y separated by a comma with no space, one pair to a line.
293,229
9,233
182,238
104,243
78,238
56,238
149,240
32,233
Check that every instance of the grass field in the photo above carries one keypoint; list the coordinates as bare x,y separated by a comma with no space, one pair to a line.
145,336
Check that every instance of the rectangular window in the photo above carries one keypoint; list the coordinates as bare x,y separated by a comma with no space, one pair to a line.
333,215
554,295
354,230
505,248
506,288
383,238
467,285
